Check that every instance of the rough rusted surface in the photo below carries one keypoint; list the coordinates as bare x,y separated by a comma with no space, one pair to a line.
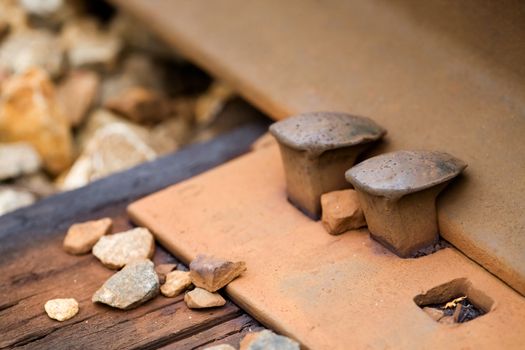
317,132
455,85
312,286
316,149
398,193
396,174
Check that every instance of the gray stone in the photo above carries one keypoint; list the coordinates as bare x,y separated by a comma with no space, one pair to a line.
119,249
268,340
135,284
18,159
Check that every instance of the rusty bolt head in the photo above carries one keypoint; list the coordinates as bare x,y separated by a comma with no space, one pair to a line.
316,149
398,191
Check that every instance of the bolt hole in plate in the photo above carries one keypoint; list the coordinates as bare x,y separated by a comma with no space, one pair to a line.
456,301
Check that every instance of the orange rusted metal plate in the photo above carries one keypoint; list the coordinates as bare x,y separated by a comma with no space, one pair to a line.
439,75
328,292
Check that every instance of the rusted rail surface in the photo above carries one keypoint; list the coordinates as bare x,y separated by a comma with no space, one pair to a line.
440,75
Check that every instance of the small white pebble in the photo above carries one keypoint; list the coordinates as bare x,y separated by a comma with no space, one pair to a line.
61,309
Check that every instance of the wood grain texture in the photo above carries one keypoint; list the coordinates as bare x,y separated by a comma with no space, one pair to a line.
159,322
439,75
230,332
35,268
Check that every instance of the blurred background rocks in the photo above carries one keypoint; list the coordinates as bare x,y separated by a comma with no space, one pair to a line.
86,92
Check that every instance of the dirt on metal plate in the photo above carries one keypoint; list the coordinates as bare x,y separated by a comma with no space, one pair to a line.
325,291
452,85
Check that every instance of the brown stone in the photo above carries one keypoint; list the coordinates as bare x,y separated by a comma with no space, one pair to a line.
163,269
200,299
267,340
213,273
172,132
316,149
183,107
398,193
61,309
76,94
135,284
341,211
176,283
29,113
137,69
119,249
434,313
209,105
140,105
81,237
4,29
